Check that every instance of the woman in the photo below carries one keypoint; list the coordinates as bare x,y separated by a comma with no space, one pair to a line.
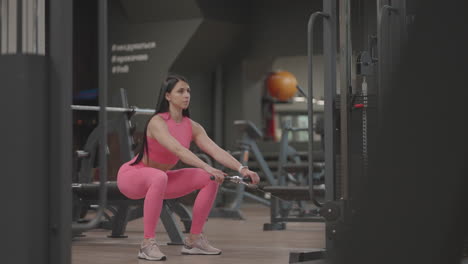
167,138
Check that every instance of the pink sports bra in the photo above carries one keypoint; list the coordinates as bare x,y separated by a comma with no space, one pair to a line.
182,132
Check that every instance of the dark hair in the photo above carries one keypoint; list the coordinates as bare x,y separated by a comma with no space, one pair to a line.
162,106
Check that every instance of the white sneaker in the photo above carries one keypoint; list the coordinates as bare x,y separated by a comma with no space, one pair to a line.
150,251
200,246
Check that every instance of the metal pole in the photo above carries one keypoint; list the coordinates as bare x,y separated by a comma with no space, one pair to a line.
310,97
301,91
136,110
19,27
329,54
345,84
103,70
383,51
58,32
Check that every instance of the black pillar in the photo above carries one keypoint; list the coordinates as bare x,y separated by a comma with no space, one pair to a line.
60,51
24,160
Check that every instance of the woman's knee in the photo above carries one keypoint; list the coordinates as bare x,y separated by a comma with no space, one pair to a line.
205,176
201,173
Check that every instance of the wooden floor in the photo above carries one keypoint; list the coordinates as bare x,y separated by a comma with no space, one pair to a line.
242,241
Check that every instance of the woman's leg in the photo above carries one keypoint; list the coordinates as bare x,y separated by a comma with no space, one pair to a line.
184,181
137,182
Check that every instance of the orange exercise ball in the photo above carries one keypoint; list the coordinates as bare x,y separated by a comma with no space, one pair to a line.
281,85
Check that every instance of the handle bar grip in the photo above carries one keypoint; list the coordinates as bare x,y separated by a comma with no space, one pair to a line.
245,179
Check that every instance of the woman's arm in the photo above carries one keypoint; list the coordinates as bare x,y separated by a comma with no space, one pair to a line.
220,155
157,128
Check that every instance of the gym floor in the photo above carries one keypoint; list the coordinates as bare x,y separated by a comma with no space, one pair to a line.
242,241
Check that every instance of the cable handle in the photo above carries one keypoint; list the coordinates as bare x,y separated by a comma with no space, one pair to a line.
235,178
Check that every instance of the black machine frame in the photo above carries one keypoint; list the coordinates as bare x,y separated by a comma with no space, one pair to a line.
346,163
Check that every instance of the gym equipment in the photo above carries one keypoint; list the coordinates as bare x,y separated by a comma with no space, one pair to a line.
246,181
281,85
239,180
131,110
330,118
346,163
123,209
289,194
247,144
280,210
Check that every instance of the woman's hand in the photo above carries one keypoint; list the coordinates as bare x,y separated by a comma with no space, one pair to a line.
253,175
218,174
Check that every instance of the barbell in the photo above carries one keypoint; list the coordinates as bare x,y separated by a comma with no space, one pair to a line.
133,109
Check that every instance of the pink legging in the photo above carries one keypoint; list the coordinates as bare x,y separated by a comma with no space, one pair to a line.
139,181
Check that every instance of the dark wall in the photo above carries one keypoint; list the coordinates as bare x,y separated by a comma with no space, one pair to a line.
201,103
143,79
85,48
85,68
279,28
